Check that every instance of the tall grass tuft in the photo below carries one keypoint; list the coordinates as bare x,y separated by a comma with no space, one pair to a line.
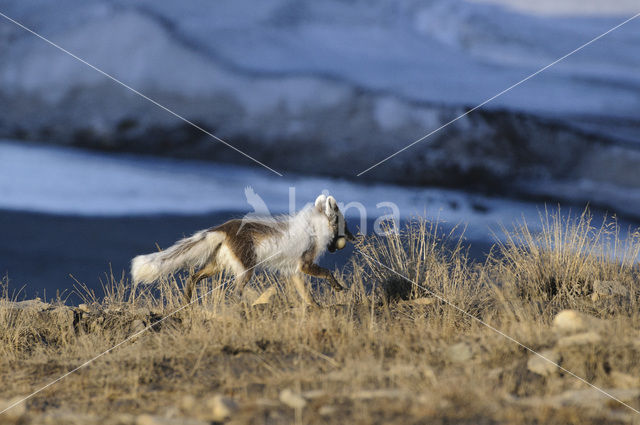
422,261
558,266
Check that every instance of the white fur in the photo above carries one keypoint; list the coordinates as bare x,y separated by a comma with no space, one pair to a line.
149,268
228,261
309,229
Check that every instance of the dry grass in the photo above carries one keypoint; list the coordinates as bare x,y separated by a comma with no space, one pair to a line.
386,351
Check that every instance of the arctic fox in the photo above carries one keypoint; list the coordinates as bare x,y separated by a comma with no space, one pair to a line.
289,245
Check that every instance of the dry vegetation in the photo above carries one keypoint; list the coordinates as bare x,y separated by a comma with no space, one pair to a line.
386,351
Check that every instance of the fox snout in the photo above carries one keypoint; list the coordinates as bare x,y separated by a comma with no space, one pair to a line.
339,242
349,237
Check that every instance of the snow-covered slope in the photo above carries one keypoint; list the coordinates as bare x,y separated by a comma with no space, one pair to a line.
444,51
334,86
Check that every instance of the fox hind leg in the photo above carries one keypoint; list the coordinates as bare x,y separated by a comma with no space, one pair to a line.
205,272
242,279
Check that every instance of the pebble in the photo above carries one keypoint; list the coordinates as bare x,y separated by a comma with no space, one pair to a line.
292,399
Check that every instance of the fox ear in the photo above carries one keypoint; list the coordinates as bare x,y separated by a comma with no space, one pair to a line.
320,200
331,206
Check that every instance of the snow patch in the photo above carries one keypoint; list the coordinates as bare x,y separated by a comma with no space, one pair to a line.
76,182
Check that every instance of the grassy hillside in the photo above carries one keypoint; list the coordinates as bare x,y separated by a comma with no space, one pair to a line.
400,346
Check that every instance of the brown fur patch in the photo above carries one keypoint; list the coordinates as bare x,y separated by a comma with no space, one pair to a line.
310,254
242,237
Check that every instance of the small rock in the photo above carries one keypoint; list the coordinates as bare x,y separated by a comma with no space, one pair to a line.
157,420
14,413
309,395
608,289
291,399
171,412
146,420
423,301
400,370
495,373
221,408
326,410
624,380
584,338
137,326
62,416
571,322
122,419
34,304
594,398
382,393
460,352
544,366
587,398
188,402
266,402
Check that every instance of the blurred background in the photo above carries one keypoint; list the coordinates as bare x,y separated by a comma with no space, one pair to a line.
92,174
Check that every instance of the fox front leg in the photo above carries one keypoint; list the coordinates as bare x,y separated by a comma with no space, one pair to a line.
315,270
303,291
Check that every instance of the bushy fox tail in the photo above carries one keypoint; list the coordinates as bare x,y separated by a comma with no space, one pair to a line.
192,252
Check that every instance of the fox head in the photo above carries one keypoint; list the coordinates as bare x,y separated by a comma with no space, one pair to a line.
328,206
